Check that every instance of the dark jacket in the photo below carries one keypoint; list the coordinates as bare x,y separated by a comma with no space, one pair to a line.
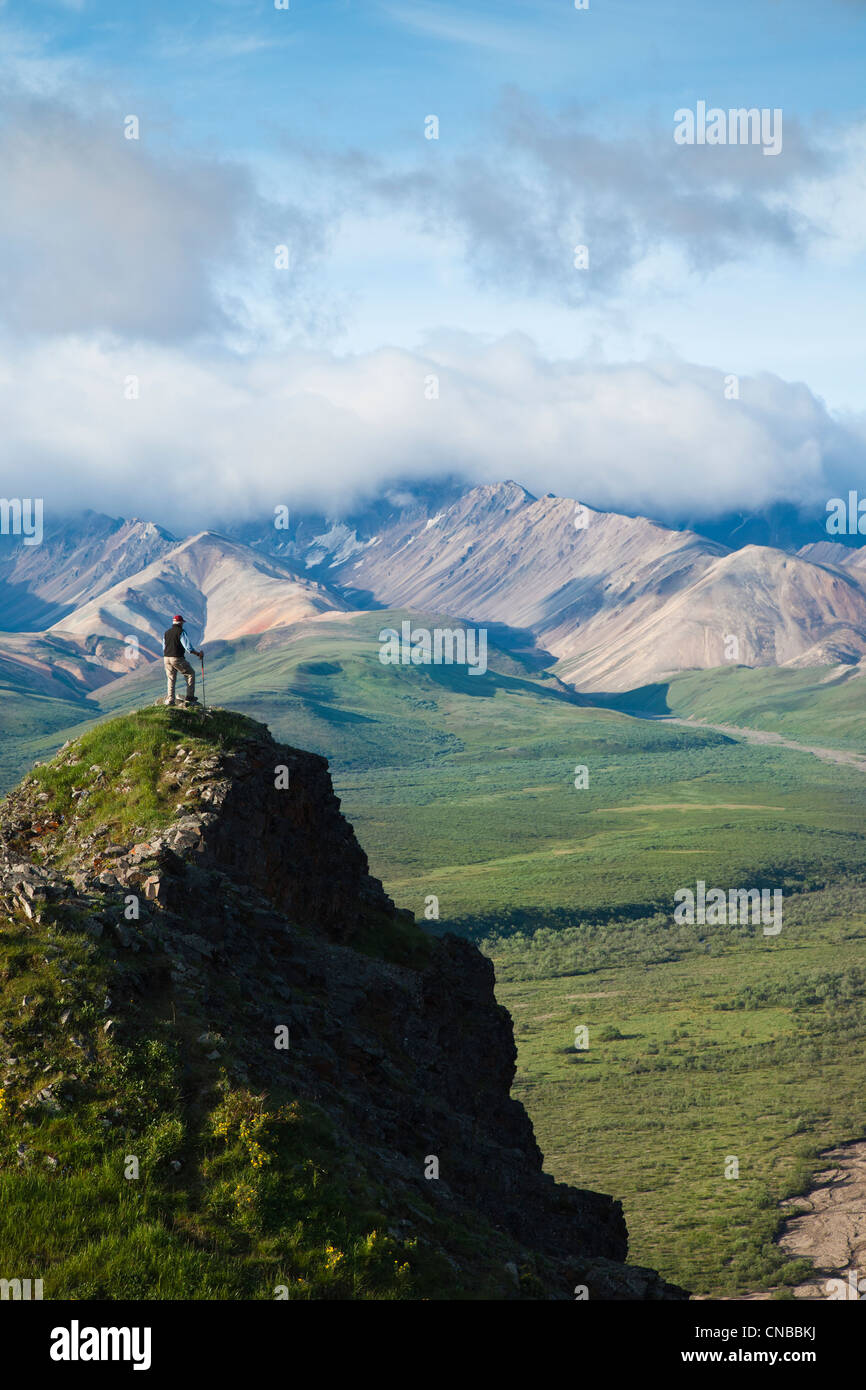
172,645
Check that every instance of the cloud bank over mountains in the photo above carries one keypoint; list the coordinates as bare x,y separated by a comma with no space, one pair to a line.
222,436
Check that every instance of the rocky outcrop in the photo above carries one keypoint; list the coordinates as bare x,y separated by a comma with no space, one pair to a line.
256,909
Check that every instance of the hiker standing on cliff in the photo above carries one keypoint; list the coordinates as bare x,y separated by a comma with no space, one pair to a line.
175,646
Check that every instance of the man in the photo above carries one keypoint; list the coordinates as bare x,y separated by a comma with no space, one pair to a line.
175,646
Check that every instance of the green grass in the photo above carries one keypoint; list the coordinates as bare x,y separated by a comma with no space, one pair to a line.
821,705
149,1170
121,776
32,724
729,1045
260,1197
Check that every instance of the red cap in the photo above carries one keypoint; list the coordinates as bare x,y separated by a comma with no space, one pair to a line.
178,619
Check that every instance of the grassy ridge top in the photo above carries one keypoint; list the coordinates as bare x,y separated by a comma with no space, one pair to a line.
118,776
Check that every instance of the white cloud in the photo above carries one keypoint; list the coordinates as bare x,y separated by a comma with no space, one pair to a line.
476,31
99,232
514,197
201,43
835,203
226,437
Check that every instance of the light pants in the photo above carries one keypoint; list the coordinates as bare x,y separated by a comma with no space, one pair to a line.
173,665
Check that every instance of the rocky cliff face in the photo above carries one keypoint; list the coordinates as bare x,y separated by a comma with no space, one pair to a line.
256,911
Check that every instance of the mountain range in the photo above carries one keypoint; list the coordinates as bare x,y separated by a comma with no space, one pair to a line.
609,602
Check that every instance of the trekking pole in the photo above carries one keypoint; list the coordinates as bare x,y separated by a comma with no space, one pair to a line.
203,700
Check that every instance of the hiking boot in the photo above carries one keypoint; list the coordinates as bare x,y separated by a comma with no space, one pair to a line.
191,701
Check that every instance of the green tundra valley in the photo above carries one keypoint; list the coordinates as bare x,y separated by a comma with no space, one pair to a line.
697,1071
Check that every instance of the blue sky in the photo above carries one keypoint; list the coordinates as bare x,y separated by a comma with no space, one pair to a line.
242,70
305,127
623,54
